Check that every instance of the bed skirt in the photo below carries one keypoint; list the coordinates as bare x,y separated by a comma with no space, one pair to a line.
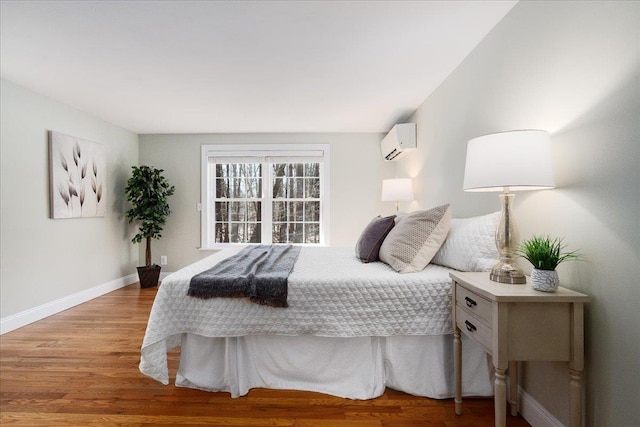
355,368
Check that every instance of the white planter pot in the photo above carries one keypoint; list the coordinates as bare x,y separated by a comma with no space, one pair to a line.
544,280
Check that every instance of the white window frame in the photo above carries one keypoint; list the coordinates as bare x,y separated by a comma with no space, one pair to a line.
206,205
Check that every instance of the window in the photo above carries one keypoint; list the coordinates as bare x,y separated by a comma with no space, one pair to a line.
265,194
237,202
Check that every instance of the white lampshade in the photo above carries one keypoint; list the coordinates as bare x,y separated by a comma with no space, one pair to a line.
519,160
397,189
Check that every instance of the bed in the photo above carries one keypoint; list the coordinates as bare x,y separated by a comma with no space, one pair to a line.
351,329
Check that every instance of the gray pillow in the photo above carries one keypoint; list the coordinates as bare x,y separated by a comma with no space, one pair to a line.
371,239
413,242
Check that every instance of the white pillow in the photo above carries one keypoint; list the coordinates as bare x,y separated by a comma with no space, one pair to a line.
470,245
399,216
415,239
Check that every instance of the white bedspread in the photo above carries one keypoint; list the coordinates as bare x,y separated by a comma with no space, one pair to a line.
331,294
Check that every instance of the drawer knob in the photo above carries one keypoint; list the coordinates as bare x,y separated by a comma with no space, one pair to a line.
470,303
470,326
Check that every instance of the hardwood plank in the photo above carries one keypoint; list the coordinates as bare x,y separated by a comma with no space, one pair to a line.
80,368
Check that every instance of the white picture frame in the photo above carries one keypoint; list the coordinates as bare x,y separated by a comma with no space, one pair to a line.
77,171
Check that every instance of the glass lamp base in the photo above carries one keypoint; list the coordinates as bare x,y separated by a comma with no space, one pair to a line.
507,273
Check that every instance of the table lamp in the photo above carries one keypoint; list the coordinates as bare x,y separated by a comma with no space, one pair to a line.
397,190
508,161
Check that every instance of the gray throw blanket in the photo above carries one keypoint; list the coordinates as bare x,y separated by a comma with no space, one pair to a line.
259,273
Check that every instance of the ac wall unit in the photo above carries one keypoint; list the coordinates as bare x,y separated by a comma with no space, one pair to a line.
400,141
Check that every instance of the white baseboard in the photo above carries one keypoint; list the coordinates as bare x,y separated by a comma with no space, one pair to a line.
534,412
18,320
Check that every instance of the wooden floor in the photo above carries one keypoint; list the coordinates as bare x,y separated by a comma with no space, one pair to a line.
80,368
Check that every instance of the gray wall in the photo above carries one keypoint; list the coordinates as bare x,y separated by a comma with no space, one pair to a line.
357,170
42,259
572,68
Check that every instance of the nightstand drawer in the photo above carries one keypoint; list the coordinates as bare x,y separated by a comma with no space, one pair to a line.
475,328
474,303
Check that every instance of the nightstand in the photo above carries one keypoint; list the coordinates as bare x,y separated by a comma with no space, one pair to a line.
517,323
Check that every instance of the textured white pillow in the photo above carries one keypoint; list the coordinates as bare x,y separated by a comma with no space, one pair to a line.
415,239
470,245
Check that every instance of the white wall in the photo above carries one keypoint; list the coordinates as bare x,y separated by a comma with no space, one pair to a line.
357,170
43,260
572,68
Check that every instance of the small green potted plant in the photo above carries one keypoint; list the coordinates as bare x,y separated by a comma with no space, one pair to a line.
545,253
147,192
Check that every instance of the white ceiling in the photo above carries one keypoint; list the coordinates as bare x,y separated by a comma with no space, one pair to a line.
241,66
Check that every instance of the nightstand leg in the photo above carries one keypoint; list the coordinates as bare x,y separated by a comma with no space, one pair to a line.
500,398
576,366
513,387
457,369
575,398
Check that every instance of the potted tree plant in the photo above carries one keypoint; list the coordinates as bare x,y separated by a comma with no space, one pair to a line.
545,253
147,192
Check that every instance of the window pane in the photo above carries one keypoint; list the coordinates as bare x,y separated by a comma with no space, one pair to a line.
312,233
236,232
222,232
312,169
222,170
279,213
279,169
312,211
312,188
240,188
254,233
254,211
222,211
296,211
290,184
222,188
237,211
279,234
295,234
252,187
279,188
232,187
296,188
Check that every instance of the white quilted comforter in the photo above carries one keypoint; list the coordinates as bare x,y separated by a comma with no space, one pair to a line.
331,294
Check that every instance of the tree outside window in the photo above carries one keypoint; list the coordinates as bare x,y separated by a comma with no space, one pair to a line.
294,195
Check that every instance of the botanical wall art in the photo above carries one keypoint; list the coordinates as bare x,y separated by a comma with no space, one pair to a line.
77,177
